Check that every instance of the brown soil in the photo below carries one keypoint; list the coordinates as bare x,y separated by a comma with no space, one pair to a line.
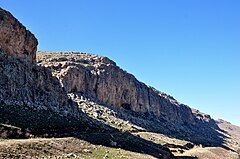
62,148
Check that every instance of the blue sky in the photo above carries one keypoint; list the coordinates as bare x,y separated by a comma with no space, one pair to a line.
188,49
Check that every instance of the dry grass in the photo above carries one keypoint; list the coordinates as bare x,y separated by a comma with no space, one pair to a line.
210,153
62,148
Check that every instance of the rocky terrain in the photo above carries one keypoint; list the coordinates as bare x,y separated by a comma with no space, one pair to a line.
233,134
79,105
99,79
22,81
34,103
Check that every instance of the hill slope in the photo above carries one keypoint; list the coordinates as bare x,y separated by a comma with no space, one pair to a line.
101,80
83,101
34,104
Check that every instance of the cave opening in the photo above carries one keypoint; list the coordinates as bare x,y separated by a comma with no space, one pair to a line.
126,106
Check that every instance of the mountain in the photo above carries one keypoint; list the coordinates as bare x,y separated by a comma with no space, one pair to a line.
22,81
33,103
73,104
100,79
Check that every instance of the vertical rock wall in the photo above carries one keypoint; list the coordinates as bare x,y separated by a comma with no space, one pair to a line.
15,40
22,82
100,78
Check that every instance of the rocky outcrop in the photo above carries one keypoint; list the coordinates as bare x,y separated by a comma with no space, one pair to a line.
15,39
94,76
95,85
23,83
100,78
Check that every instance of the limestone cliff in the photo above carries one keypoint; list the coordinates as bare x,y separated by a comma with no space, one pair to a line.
22,82
15,40
100,78
28,84
87,85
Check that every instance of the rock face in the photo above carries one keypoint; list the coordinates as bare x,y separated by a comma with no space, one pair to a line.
101,78
22,82
94,76
15,40
93,84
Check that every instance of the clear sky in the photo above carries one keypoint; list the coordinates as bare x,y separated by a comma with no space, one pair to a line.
189,49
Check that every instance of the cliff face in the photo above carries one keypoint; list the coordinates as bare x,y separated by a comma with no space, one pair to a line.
95,76
100,78
90,84
26,84
97,79
15,40
22,82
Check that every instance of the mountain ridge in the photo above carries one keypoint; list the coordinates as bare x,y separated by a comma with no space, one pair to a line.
101,79
88,97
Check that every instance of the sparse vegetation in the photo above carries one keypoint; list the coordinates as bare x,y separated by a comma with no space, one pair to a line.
36,121
142,123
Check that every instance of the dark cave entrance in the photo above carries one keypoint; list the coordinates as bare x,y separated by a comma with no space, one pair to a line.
126,106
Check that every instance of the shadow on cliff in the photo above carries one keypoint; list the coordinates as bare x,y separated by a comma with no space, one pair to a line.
25,122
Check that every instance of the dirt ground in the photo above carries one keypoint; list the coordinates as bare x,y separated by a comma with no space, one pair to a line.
59,148
71,147
93,143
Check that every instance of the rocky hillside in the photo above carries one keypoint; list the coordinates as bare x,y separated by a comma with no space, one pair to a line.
101,80
233,134
33,102
89,98
99,77
27,86
22,82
